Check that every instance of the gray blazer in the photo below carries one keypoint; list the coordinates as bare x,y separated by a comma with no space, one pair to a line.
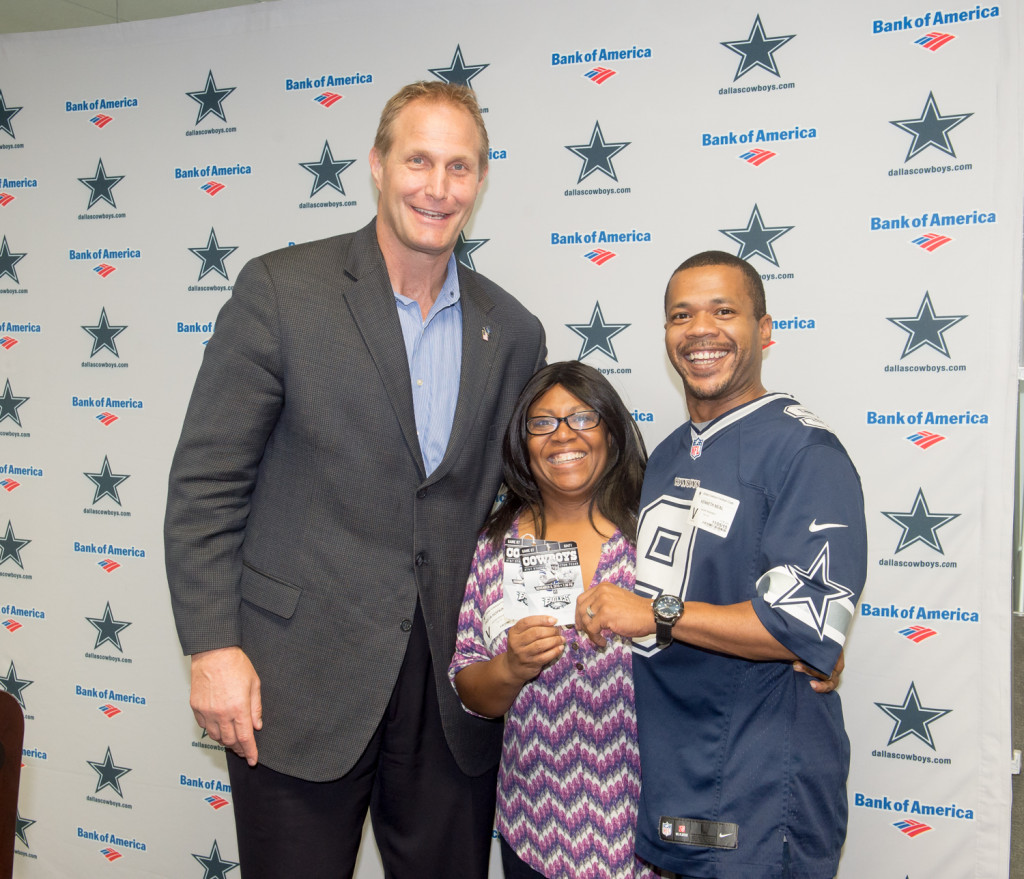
300,524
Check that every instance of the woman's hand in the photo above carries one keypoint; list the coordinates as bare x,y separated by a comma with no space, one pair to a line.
533,642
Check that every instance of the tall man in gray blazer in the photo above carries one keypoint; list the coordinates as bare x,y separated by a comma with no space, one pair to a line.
340,451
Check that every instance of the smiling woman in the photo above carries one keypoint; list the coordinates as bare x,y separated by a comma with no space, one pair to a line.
574,463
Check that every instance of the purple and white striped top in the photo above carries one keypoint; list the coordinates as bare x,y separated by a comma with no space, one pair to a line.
570,768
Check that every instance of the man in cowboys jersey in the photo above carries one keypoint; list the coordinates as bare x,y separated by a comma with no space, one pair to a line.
751,553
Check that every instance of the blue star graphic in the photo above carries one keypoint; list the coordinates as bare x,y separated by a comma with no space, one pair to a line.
931,128
108,630
926,328
11,546
106,483
597,335
458,72
9,260
757,50
912,719
109,774
464,248
920,524
815,589
6,115
14,685
20,826
213,256
103,335
597,155
757,238
9,405
210,99
214,865
101,186
327,171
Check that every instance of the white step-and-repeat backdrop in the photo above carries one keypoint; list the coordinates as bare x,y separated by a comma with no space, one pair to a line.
866,158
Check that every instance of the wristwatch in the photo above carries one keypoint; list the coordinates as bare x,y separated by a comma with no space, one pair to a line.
667,609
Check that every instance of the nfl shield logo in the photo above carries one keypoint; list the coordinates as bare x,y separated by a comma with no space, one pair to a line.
695,447
666,829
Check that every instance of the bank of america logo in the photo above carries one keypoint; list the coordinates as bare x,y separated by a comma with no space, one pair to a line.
9,485
931,241
934,41
911,828
211,188
106,418
599,75
757,157
12,626
327,99
925,439
104,270
599,257
917,634
109,710
7,342
108,565
111,854
101,120
216,802
5,199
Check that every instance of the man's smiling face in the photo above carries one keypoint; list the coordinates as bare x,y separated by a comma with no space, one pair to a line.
429,179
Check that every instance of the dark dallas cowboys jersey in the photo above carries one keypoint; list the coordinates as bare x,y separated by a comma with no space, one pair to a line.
762,505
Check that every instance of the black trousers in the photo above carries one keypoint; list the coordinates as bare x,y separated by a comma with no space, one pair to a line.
514,866
429,819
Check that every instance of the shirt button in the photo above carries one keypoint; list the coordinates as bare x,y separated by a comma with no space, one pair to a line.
422,493
419,383
406,625
575,646
579,666
421,559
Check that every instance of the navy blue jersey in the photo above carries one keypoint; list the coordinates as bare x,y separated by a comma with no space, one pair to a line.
743,765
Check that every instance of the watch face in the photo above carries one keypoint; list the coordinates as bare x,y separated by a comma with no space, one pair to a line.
668,606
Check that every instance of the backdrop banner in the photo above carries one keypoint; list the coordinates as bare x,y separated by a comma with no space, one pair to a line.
865,158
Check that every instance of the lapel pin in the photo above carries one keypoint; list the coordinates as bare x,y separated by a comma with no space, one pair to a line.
485,333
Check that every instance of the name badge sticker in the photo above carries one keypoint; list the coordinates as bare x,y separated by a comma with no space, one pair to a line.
496,622
713,512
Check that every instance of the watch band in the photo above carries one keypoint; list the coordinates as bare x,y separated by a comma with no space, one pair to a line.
665,618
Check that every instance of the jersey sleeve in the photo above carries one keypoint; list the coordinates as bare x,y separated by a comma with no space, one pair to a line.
814,556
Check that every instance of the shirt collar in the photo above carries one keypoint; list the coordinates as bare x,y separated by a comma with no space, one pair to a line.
450,292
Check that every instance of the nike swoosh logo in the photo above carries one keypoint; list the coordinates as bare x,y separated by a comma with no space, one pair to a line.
814,527
723,835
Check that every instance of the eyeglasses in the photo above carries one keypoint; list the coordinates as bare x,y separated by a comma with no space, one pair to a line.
585,419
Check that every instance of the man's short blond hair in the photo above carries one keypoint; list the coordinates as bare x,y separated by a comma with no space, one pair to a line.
438,93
